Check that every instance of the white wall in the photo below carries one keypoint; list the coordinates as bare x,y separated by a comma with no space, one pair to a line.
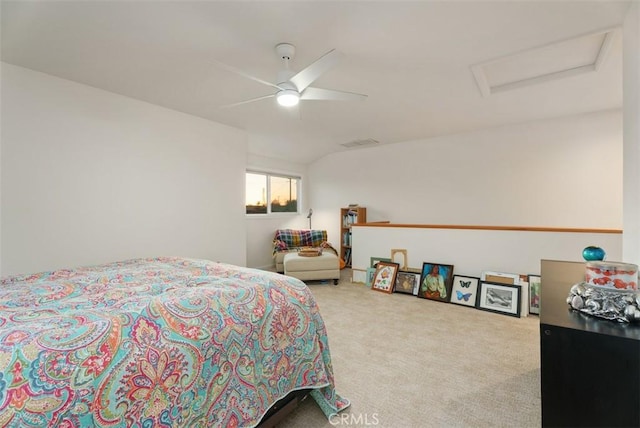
631,94
564,172
260,228
89,176
473,251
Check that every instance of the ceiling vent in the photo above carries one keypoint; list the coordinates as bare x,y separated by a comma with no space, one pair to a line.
553,61
361,143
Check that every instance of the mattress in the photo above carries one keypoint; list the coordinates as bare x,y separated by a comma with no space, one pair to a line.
158,342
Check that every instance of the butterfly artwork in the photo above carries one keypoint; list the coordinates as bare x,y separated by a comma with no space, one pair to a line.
462,296
464,290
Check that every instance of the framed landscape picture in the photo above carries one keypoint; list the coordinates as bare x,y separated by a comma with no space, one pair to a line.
384,277
407,282
499,298
464,290
534,294
436,282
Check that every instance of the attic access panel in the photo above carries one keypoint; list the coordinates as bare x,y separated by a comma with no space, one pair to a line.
549,62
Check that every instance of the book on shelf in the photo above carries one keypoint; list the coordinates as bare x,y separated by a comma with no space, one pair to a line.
346,239
350,218
347,256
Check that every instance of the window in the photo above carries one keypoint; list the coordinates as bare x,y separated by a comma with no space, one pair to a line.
280,190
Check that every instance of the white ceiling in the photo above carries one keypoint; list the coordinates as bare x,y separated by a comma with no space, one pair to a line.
413,59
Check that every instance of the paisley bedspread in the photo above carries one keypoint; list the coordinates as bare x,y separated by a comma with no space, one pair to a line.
163,342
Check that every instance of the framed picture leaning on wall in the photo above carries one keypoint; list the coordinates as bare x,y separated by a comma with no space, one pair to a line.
464,290
384,277
407,282
436,282
500,277
499,298
534,294
370,272
374,261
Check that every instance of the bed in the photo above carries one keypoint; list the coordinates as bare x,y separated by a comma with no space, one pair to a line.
158,342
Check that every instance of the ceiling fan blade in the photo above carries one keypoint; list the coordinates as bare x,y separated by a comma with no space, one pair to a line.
247,101
243,74
306,76
330,95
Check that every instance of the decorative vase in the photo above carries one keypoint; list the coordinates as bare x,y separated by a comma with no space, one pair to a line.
592,253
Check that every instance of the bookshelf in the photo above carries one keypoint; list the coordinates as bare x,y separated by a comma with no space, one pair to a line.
349,216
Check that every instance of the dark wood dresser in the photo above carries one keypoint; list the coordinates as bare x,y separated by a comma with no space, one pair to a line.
590,367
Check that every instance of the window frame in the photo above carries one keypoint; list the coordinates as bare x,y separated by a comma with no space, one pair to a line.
269,175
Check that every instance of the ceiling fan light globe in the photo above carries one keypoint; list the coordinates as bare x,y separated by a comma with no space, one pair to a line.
288,97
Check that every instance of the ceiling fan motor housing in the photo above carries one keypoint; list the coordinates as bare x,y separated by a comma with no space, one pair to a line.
283,79
288,95
285,51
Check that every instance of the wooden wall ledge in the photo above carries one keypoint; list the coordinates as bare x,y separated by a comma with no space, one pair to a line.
512,228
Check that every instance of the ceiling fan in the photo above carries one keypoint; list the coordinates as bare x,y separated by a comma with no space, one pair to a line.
293,87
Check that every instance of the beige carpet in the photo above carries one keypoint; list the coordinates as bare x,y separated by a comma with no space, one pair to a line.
409,362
